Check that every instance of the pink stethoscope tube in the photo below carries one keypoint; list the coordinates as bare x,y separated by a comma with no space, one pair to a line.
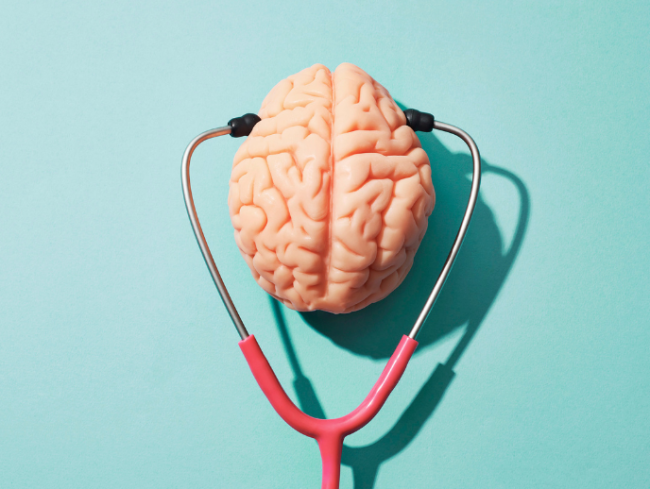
329,433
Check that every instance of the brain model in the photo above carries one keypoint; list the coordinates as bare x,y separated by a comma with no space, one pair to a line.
330,193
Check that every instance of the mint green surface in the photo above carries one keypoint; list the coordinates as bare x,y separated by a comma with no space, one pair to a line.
119,367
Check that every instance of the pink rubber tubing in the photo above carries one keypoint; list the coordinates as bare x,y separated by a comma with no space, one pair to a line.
329,433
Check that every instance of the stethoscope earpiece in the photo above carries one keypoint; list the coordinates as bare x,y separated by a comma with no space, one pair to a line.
242,126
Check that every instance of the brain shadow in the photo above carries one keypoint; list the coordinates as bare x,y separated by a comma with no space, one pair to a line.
481,268
479,271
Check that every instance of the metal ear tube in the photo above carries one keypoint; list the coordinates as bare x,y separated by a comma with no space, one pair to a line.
329,433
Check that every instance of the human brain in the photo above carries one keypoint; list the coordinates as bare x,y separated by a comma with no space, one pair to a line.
330,193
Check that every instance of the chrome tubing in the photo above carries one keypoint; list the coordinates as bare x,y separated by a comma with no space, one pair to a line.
218,281
460,236
198,232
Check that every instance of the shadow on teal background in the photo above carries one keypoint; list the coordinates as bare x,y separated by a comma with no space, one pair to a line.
472,287
479,272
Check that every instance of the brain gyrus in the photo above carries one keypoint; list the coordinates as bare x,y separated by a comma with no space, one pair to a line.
330,193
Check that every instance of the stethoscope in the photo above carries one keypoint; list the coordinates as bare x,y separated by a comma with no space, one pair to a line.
329,433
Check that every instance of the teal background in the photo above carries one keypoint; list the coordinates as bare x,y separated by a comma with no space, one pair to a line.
119,367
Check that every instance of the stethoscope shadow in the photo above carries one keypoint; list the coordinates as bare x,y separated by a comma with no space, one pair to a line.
473,285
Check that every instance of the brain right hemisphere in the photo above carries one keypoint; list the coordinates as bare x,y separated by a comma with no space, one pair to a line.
330,193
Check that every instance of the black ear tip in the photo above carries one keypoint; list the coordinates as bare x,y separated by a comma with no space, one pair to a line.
416,120
419,121
242,126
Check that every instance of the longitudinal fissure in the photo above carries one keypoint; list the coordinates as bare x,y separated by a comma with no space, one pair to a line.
330,221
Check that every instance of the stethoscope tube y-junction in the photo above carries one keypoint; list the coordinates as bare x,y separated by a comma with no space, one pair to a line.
329,433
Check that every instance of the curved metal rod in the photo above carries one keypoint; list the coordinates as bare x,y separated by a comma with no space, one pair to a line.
198,232
209,260
473,196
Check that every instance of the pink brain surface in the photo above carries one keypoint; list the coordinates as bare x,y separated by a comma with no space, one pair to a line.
330,193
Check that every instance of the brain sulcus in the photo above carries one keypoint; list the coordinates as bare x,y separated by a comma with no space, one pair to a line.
330,193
